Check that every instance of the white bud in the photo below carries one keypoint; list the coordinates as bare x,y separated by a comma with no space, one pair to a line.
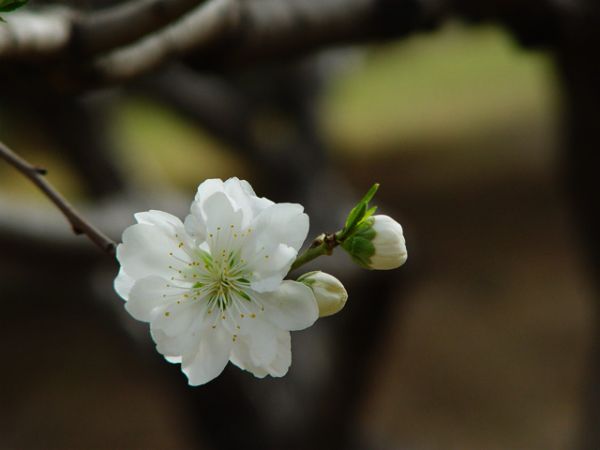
389,243
329,291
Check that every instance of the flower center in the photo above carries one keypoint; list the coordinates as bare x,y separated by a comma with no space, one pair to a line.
223,280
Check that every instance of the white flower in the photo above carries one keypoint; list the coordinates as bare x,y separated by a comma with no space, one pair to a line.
389,244
213,290
329,291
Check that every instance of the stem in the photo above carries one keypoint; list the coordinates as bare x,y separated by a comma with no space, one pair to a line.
78,223
322,245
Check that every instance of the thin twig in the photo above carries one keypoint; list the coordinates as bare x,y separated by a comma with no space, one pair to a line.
78,223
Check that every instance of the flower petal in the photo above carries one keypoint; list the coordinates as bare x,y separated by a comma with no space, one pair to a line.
169,222
208,188
210,358
146,296
283,360
243,197
195,223
291,307
241,357
123,284
175,319
146,249
219,213
175,346
281,223
262,344
271,266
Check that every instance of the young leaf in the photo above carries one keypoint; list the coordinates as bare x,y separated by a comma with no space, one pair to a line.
360,212
11,5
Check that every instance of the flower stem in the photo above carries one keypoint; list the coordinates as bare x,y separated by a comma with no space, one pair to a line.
322,245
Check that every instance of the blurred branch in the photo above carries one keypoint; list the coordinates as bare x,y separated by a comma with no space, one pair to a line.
229,32
78,223
36,34
125,23
200,27
129,40
54,31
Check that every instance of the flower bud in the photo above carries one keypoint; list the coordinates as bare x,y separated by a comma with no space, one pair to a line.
378,243
329,291
389,243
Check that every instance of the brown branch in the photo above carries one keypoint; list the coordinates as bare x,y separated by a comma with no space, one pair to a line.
125,23
128,40
78,223
226,32
205,25
53,31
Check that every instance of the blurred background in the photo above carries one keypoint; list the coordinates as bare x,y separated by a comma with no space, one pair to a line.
481,341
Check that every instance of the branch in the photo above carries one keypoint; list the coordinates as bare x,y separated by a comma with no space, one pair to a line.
35,35
127,41
78,223
122,24
55,31
225,32
206,24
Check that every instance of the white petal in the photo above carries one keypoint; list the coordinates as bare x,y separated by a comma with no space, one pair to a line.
194,225
175,346
389,243
241,357
173,359
281,223
208,188
283,360
175,318
219,213
162,219
210,358
262,344
146,250
146,296
291,307
123,284
243,197
270,266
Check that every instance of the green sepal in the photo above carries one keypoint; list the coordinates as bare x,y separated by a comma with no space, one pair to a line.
360,249
359,244
303,278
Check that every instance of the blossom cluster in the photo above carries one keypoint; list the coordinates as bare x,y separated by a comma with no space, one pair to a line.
213,288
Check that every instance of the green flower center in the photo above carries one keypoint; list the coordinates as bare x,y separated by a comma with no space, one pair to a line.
223,280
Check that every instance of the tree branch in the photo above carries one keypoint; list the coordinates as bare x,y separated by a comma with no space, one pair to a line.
205,24
125,23
54,31
78,223
140,35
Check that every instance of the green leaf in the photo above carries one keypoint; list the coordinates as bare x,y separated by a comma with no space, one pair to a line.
369,213
360,212
370,194
11,5
355,216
